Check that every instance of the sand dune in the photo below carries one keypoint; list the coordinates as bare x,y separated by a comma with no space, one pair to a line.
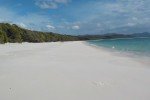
70,71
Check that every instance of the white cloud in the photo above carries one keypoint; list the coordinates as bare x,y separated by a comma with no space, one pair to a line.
46,5
50,4
99,25
62,1
76,27
135,18
50,27
131,24
22,25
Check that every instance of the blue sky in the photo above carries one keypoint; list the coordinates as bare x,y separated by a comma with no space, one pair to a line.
78,16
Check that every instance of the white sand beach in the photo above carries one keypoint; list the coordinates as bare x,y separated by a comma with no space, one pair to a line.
70,71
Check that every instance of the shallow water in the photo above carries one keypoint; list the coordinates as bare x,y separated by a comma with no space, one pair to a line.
137,46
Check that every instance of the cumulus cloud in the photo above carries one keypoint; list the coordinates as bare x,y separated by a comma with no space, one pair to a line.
50,4
50,27
131,24
62,1
76,27
21,25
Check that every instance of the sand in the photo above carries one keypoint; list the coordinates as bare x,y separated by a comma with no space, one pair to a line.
70,71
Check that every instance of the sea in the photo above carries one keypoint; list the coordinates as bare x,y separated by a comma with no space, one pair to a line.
134,46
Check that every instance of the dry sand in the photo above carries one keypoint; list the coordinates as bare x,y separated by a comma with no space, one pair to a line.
70,71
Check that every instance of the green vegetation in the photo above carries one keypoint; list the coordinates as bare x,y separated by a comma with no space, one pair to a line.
3,37
13,34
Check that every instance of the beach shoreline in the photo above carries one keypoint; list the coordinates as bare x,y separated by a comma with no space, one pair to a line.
137,57
70,71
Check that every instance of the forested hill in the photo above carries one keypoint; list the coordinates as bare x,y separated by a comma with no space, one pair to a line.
14,33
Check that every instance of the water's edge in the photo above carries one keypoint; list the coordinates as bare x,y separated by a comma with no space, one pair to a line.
115,52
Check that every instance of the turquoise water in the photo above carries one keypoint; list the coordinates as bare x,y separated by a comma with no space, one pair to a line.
138,46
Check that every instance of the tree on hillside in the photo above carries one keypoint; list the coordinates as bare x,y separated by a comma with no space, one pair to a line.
15,35
3,37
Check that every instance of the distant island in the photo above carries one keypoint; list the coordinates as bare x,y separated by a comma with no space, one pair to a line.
113,36
15,34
